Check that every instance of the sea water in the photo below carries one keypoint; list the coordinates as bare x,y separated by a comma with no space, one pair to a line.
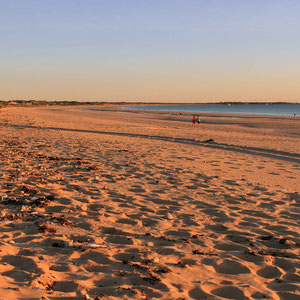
276,109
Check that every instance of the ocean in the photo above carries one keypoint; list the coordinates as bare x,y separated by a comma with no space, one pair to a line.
276,109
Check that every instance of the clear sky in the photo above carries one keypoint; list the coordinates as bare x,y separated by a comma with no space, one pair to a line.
150,50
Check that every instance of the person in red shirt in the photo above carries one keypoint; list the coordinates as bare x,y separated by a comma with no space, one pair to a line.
194,120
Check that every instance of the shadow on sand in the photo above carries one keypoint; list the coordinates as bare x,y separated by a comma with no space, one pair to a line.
269,153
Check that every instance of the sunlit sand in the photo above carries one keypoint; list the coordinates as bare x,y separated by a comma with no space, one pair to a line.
99,203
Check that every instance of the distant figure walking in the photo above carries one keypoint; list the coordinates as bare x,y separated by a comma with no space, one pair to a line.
198,120
194,120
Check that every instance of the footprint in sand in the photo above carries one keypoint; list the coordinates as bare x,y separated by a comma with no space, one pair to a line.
198,293
279,285
228,266
24,268
259,295
119,240
94,256
292,277
230,247
65,286
229,292
126,221
21,263
269,272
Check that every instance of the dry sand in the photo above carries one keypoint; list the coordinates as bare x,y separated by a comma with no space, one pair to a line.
100,203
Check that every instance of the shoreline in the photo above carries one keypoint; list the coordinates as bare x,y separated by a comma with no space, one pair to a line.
116,108
123,106
233,114
217,115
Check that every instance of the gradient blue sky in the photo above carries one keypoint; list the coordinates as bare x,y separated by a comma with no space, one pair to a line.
150,50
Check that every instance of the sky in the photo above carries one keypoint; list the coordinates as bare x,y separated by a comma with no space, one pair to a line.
150,50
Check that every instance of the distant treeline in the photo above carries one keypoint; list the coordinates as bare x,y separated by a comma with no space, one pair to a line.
66,103
51,103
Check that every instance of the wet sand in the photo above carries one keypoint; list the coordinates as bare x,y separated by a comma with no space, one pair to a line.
97,202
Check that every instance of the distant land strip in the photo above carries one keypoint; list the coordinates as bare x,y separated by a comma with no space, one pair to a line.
4,103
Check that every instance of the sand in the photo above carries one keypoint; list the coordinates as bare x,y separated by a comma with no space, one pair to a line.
102,204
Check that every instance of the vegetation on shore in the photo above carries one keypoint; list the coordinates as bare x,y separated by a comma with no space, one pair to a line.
67,103
48,103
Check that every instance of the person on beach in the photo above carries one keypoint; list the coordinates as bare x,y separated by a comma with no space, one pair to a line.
194,120
198,120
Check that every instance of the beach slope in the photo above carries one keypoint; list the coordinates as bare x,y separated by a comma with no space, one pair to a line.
97,203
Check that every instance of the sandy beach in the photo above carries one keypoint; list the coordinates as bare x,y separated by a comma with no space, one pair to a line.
98,203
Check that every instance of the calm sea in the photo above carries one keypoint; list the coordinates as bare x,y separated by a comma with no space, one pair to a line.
249,109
